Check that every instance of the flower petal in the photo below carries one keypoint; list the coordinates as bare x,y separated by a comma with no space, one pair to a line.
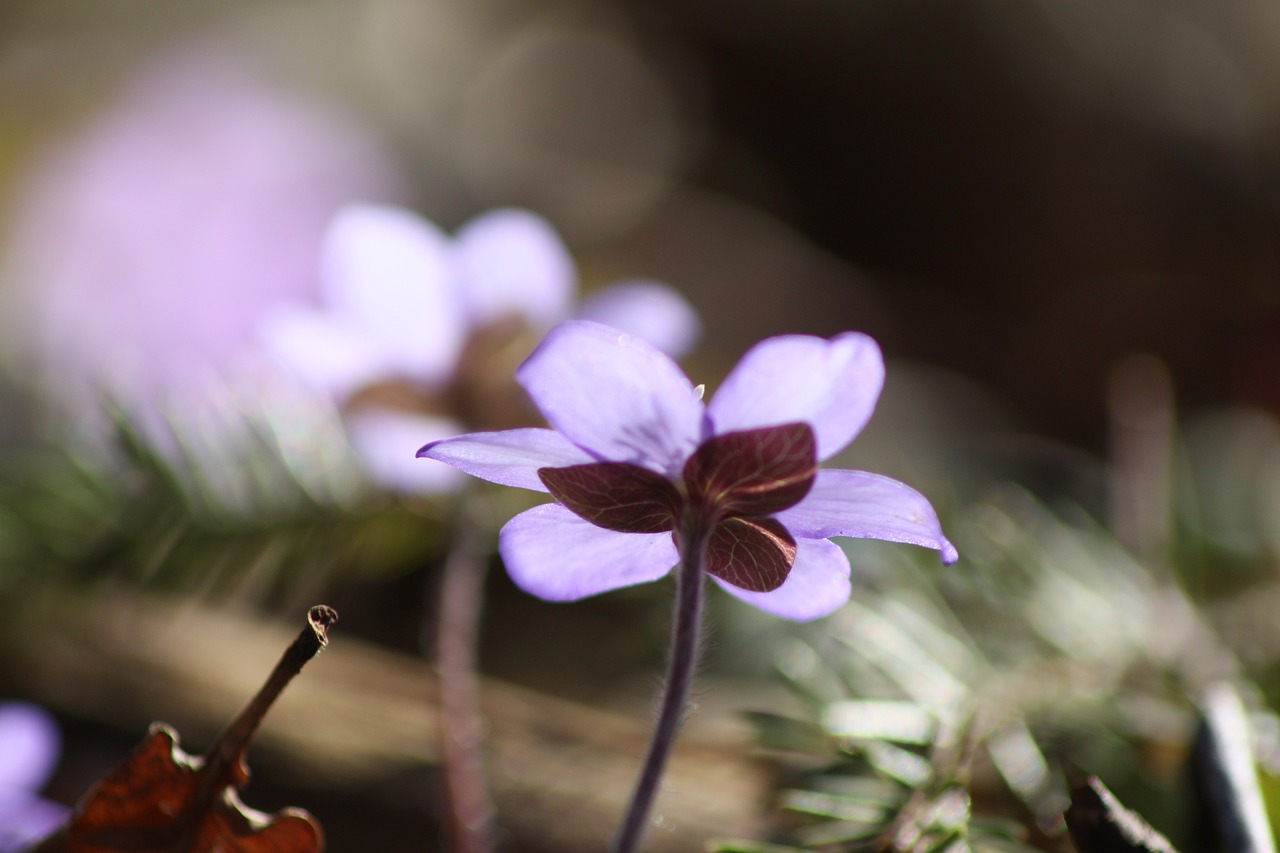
750,553
615,396
551,553
322,350
647,309
755,472
511,261
615,495
830,384
817,586
510,457
867,506
387,271
26,819
386,441
29,746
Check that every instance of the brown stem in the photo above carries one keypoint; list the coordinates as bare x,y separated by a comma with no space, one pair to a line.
469,812
230,745
686,629
224,761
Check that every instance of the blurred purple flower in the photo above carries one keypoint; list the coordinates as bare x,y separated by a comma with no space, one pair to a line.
144,249
29,746
633,452
405,307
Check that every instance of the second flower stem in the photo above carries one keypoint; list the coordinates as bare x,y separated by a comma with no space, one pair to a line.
469,809
685,636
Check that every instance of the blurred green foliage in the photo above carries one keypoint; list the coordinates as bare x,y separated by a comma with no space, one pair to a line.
231,520
948,709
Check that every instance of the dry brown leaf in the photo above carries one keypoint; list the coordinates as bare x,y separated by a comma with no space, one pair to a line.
162,800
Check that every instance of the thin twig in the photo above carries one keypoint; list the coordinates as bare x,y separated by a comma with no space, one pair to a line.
230,745
224,761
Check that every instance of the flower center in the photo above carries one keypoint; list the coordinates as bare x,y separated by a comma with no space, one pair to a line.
733,483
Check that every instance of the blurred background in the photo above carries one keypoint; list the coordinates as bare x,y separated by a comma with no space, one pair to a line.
1059,219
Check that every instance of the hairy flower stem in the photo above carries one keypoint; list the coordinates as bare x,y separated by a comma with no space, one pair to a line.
468,806
685,635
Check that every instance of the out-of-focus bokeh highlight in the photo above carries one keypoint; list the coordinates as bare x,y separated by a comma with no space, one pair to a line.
1060,220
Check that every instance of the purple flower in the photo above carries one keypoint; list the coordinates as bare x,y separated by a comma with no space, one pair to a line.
633,454
404,308
144,248
29,746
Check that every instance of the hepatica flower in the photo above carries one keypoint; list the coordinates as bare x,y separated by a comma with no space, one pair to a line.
640,468
645,477
29,745
142,250
417,332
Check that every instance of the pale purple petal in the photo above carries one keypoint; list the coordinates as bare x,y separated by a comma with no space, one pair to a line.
553,554
322,350
512,262
510,458
26,819
615,396
646,309
867,506
29,746
386,441
817,586
387,271
832,385
142,247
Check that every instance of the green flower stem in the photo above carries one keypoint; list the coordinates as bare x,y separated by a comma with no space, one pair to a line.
685,636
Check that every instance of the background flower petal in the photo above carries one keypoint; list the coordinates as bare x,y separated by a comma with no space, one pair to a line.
646,309
511,261
29,746
614,395
26,819
817,586
551,553
830,384
387,271
144,237
867,506
510,457
323,350
386,441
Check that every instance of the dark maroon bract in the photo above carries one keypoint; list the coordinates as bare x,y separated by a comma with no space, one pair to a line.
731,484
